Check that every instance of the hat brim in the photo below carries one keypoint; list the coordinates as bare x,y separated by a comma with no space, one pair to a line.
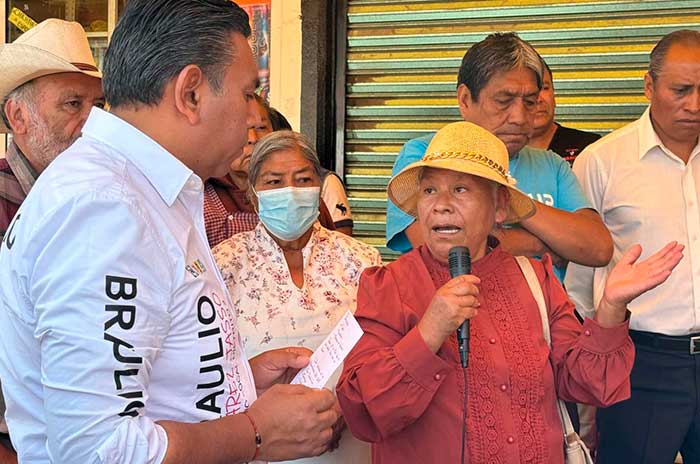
21,63
403,187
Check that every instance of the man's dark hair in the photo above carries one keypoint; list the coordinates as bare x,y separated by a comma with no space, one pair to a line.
497,53
155,39
658,54
278,121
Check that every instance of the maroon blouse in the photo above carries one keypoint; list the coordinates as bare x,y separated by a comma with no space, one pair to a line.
407,401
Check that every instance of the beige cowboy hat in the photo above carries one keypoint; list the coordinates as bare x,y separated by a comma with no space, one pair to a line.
468,148
52,46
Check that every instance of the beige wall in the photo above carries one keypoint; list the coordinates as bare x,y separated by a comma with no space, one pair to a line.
285,59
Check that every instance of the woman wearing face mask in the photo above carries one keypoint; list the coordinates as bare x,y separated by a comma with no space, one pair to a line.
290,278
227,208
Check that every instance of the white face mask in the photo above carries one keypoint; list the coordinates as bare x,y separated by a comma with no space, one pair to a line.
288,212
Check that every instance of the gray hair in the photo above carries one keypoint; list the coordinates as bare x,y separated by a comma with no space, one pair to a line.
497,53
155,39
281,141
25,94
658,54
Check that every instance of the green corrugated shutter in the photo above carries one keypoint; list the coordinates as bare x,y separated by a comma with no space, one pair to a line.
403,57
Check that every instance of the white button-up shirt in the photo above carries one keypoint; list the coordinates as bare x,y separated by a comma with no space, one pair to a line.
114,314
646,195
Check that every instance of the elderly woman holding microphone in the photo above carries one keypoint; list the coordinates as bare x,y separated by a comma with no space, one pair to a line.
403,387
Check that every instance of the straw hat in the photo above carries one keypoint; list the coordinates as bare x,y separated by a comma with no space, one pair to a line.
52,46
468,148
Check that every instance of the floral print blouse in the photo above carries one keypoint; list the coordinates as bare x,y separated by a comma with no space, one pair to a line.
272,311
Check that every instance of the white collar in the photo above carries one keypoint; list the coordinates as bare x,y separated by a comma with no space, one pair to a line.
167,174
649,139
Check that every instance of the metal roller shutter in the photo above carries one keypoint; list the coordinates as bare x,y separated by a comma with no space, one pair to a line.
403,57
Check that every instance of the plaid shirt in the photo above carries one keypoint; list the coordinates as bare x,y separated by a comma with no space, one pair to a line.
16,180
220,223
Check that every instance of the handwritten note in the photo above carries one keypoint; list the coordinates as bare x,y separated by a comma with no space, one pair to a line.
331,353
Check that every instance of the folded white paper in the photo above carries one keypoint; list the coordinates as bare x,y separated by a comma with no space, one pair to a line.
331,353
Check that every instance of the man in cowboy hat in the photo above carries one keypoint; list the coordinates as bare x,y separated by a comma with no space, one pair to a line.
48,83
498,84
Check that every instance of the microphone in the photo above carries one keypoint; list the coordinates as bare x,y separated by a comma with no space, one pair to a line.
460,263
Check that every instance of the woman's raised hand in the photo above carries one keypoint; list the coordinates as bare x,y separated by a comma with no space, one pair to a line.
452,304
629,279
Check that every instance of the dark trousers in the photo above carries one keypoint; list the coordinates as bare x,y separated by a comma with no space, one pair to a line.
662,416
572,408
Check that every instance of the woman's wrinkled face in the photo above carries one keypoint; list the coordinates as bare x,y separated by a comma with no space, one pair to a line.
457,209
286,168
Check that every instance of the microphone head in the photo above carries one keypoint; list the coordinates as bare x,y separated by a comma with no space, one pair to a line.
459,261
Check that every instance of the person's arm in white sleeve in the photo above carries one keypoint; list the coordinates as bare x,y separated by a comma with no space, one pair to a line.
579,281
101,287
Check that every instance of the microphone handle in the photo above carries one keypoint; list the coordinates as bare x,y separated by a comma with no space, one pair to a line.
463,342
459,261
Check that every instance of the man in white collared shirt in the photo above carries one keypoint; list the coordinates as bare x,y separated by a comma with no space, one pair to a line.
644,179
118,344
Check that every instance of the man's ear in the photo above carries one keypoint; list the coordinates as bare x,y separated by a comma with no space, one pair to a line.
18,116
464,99
648,86
190,87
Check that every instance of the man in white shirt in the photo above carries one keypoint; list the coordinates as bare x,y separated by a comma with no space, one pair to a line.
644,179
118,343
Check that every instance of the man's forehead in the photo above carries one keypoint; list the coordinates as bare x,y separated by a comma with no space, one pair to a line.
249,73
243,53
67,83
511,90
680,55
516,80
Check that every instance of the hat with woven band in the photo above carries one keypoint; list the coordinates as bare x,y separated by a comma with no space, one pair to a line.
467,148
51,47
